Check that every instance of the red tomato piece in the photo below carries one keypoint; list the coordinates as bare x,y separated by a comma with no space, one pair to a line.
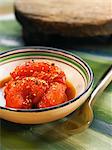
27,69
25,93
10,84
15,97
51,76
41,70
54,96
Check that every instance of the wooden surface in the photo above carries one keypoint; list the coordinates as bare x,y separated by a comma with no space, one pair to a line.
50,136
69,18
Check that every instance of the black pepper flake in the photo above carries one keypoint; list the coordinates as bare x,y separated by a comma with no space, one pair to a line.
43,83
36,82
30,96
33,61
27,64
33,106
52,64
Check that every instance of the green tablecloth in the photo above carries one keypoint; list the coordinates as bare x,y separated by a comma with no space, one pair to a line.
47,137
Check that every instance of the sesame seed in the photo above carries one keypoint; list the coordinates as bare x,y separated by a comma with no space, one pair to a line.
31,70
17,77
32,79
27,78
42,68
27,86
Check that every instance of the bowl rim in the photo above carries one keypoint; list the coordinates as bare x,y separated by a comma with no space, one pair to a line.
59,105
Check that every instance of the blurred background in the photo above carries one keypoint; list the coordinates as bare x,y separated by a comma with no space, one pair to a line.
25,30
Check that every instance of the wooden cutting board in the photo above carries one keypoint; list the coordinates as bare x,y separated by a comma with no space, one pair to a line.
72,18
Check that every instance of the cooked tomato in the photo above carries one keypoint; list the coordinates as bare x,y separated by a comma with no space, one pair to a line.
37,84
54,96
27,69
25,93
42,70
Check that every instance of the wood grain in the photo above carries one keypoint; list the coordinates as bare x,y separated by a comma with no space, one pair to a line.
66,18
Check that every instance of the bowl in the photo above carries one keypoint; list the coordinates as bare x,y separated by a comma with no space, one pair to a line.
77,72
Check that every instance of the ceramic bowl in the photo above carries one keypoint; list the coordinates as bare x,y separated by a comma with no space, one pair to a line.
77,72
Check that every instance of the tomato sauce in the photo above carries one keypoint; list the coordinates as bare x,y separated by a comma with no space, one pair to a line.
5,81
